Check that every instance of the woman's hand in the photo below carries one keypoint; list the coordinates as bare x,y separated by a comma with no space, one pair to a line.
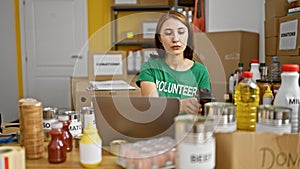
190,106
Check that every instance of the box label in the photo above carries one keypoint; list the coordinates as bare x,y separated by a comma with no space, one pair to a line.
288,35
111,64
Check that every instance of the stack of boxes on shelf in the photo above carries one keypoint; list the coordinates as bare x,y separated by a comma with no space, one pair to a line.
281,32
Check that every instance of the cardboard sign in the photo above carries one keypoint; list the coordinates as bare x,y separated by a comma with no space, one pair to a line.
107,65
288,35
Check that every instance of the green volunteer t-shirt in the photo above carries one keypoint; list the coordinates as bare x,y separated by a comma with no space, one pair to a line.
172,83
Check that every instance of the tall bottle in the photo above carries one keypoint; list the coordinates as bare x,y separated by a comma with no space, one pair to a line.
90,147
255,70
66,131
246,99
239,72
57,147
274,69
288,95
130,62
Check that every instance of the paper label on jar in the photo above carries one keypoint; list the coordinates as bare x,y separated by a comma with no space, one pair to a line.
196,155
47,124
75,127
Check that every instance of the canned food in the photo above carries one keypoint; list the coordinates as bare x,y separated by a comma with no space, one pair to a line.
224,113
273,119
75,123
49,117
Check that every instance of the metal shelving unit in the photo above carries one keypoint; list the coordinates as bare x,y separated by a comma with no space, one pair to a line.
114,28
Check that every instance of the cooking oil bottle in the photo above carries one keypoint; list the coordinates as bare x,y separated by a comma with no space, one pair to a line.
246,99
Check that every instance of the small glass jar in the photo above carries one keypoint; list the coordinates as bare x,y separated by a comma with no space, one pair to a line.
224,114
196,145
49,117
273,119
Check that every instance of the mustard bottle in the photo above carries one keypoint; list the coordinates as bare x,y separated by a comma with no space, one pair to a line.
268,96
90,147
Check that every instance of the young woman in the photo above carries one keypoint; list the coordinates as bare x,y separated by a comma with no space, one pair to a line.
173,73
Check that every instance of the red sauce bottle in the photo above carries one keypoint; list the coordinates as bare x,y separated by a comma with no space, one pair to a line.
57,147
66,132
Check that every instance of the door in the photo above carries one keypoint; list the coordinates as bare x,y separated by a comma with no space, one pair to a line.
55,48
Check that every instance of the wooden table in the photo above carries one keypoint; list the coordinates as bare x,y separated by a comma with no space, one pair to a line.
72,162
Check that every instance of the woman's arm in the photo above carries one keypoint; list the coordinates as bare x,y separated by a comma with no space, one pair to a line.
148,89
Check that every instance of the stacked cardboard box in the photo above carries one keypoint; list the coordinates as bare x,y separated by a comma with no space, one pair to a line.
274,9
281,32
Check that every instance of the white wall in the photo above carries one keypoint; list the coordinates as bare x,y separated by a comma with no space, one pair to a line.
8,66
228,15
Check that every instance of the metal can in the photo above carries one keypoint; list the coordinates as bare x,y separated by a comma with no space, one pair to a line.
196,145
86,116
273,119
75,123
224,114
49,117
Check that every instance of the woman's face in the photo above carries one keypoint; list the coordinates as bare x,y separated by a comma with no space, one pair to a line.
174,36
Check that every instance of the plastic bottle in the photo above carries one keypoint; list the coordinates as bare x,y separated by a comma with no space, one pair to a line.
288,94
57,147
268,96
255,70
138,60
66,131
130,62
263,71
246,99
90,147
232,83
239,72
275,69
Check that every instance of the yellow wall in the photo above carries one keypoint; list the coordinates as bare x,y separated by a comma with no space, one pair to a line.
98,25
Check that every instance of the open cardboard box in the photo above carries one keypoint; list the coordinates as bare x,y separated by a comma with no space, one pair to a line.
252,150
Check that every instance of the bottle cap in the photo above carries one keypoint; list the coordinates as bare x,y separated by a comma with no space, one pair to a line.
57,125
254,61
268,92
248,74
275,58
290,68
63,117
240,64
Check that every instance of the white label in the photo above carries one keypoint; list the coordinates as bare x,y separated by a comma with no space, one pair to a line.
196,155
108,64
75,127
90,153
125,1
288,35
47,124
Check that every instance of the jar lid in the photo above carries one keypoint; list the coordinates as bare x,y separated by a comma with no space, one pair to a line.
56,125
290,68
254,61
63,117
273,115
50,112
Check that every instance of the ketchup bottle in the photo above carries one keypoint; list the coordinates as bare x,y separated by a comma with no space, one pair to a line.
57,147
66,132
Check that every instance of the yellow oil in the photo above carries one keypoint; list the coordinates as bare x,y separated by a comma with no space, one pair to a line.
246,99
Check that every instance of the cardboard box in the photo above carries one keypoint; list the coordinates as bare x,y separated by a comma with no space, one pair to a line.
251,150
284,59
289,40
272,27
271,45
221,52
276,8
141,2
